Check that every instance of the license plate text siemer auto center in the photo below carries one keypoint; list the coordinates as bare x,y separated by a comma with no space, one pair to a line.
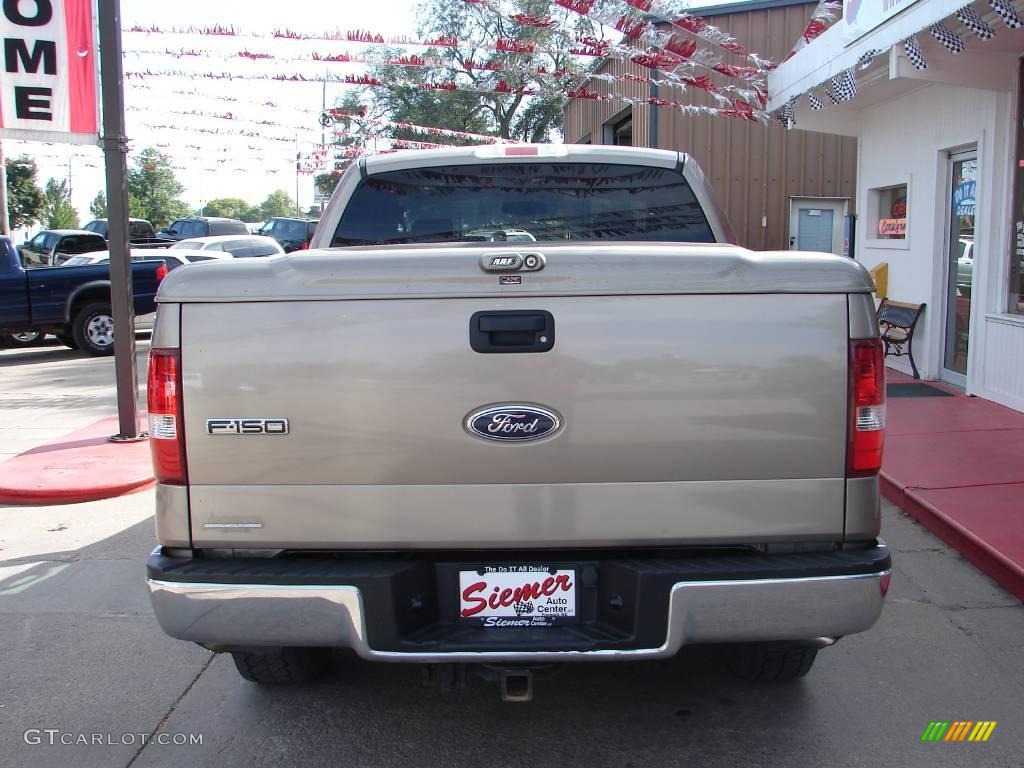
517,596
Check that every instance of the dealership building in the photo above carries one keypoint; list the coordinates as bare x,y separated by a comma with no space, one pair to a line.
932,92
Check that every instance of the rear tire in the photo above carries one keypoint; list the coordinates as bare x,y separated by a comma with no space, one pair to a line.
769,662
67,340
93,329
282,666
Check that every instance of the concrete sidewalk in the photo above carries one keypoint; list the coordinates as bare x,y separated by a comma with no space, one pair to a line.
57,407
956,464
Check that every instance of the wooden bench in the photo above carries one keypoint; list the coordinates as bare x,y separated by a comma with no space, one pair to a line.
896,323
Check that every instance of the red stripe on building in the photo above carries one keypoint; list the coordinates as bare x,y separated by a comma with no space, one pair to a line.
81,68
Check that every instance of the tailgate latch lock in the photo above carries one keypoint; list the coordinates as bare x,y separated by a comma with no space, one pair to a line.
523,330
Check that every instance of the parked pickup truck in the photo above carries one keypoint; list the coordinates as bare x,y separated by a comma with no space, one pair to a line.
141,233
72,303
624,436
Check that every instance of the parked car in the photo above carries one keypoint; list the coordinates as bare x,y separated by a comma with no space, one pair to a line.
72,303
239,247
202,226
52,247
293,234
519,456
141,233
500,236
172,260
137,228
965,267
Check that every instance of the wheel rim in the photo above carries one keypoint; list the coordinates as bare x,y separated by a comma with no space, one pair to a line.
100,330
27,336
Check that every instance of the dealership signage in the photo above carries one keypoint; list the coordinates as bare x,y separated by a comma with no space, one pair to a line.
892,227
48,83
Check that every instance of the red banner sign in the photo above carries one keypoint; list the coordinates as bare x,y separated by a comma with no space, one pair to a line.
48,84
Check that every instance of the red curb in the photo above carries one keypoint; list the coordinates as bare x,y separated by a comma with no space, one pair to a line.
986,558
81,466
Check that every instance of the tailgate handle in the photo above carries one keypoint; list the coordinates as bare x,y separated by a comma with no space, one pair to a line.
524,330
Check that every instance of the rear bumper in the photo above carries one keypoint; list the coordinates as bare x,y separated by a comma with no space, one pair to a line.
389,610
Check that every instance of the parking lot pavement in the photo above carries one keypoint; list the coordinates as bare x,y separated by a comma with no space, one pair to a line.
50,390
83,654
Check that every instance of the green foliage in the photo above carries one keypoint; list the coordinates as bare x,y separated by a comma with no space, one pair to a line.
232,208
58,212
154,192
278,203
326,182
98,206
24,198
511,116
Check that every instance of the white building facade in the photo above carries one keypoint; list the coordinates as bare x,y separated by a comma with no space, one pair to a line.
932,91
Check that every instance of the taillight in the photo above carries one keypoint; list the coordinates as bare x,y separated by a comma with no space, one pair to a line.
161,271
305,245
520,151
166,432
867,408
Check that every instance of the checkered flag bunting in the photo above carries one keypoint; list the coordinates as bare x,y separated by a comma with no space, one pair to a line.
867,57
913,51
844,85
947,38
970,19
1006,11
787,114
815,102
831,96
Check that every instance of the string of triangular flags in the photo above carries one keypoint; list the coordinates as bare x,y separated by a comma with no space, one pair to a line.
843,86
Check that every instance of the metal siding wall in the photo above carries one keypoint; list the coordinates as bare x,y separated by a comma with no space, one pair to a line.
754,169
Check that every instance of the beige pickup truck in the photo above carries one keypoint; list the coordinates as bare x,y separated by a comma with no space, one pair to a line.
617,437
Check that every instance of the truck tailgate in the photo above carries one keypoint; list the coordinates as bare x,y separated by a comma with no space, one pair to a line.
686,419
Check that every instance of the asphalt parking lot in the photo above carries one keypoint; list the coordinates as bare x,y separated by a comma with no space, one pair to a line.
84,658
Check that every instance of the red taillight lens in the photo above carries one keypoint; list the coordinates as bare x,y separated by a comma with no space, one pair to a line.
521,151
166,434
867,408
305,245
161,272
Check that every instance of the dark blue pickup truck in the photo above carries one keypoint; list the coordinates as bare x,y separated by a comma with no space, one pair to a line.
72,303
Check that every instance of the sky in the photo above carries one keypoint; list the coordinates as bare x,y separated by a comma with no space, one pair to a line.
250,174
176,115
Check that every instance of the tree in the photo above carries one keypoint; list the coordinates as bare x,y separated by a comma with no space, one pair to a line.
278,203
98,206
232,208
154,192
58,212
510,115
24,198
326,182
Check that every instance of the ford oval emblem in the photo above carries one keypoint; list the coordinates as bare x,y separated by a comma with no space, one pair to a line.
513,422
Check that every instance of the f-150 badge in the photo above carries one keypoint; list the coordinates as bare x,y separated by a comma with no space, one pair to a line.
513,422
247,426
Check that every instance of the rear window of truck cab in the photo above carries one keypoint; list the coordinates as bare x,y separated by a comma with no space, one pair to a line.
551,201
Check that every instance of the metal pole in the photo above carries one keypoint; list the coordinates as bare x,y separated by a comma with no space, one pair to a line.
5,221
115,150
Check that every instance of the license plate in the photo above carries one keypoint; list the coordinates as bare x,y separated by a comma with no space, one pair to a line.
517,596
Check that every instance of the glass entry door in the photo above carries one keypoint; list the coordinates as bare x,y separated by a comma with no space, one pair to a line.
961,257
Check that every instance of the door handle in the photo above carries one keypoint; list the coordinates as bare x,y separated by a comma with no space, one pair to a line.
524,330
